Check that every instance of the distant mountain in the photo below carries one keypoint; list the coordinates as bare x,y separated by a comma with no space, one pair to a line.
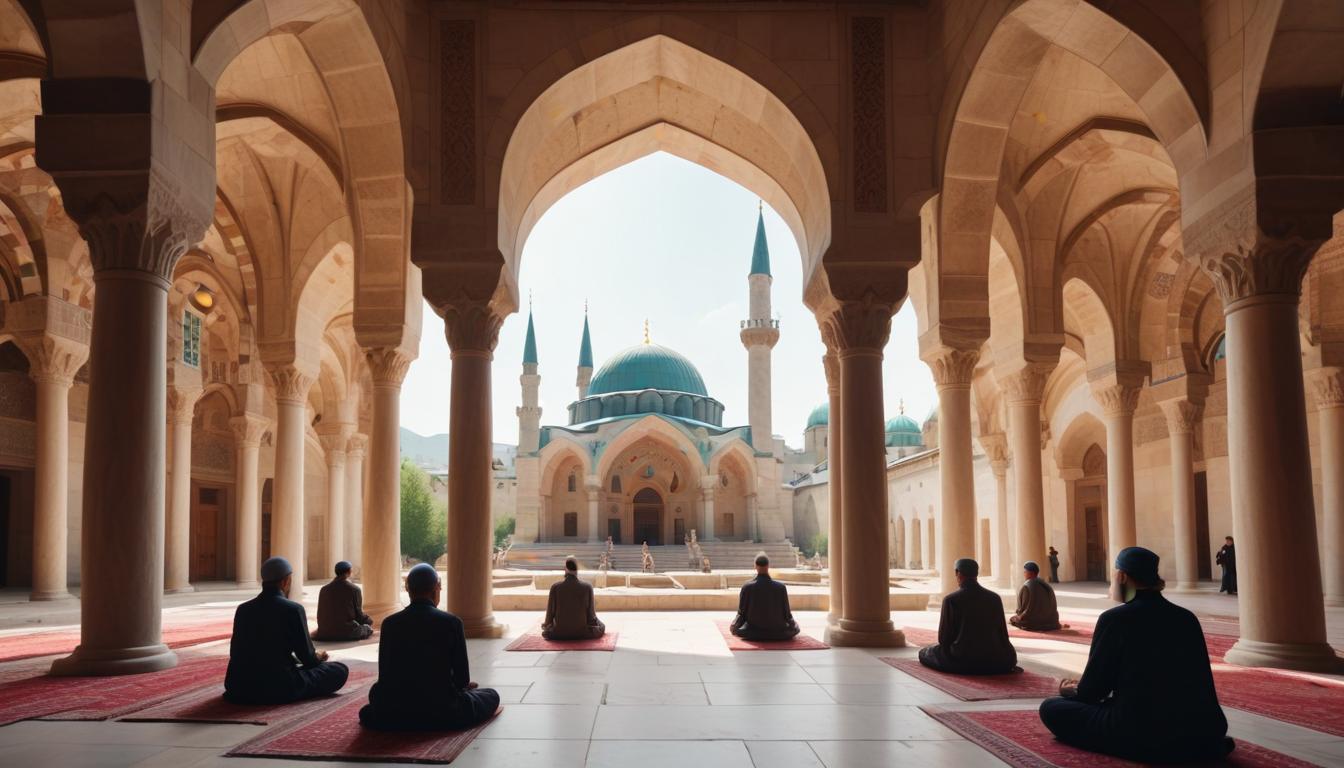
432,451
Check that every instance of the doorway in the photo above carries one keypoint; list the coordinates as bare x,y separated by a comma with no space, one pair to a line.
614,530
266,520
205,535
679,531
648,517
1096,552
1202,543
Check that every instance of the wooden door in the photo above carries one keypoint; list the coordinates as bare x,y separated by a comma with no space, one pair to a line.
678,531
1096,553
205,536
1203,547
614,529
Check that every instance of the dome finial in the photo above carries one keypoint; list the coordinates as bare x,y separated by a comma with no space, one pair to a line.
646,331
902,406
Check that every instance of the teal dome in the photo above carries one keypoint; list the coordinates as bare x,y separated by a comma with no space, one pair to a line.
819,417
902,431
647,366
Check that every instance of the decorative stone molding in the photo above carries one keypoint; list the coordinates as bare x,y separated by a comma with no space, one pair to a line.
1182,416
831,362
952,367
53,334
134,227
457,111
53,359
472,326
1117,399
249,429
868,116
291,383
182,404
1328,384
1027,385
387,365
1231,245
995,446
861,325
356,446
334,440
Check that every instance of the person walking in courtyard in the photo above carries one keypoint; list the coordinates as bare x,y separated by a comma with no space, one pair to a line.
424,679
763,607
1054,565
1037,610
1227,558
271,657
1147,692
972,635
340,609
571,612
647,563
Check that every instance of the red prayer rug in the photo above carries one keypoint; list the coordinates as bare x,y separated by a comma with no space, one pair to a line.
1014,685
333,732
100,698
207,704
1218,644
799,642
533,641
1018,738
1310,702
14,647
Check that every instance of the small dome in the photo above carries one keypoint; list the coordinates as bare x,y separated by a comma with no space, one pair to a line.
902,431
647,366
819,417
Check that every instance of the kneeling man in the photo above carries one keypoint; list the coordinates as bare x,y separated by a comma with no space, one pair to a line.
763,607
424,682
1036,607
1147,691
972,635
271,657
340,609
570,610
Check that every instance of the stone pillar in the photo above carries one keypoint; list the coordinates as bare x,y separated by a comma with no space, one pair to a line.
473,329
334,439
53,359
1182,417
248,431
835,538
1023,391
1329,386
177,549
707,485
354,500
911,554
287,508
858,331
1273,513
996,448
592,486
952,371
1118,402
382,504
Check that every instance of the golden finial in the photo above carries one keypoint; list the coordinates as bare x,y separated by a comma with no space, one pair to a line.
646,331
529,301
902,406
760,205
585,306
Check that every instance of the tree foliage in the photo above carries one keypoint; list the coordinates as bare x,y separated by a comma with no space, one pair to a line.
423,517
815,545
504,529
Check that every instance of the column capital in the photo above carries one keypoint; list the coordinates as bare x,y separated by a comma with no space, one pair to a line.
995,446
1182,415
53,358
357,445
831,363
1026,384
249,429
53,334
133,225
472,326
952,367
182,403
1117,399
1328,387
388,365
709,482
291,382
857,326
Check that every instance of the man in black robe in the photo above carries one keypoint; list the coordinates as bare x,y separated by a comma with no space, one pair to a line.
424,681
1147,692
1054,565
271,657
972,635
571,613
1037,610
1227,557
340,609
763,607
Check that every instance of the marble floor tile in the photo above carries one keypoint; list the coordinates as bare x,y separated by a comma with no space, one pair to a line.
669,754
783,754
721,694
767,723
638,693
565,692
925,754
543,721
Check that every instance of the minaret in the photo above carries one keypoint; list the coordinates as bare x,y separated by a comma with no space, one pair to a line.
529,413
585,357
759,334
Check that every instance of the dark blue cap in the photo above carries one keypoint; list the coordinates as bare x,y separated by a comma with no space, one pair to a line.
1139,563
422,578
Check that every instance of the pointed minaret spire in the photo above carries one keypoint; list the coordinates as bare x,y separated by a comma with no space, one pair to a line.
585,357
760,252
530,345
759,334
529,413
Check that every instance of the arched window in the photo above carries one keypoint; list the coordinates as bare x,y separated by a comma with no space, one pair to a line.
615,483
573,483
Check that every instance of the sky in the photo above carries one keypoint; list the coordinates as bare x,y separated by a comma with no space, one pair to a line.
669,241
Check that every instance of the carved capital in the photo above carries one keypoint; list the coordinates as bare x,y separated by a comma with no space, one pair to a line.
831,362
249,429
334,440
134,226
291,382
1232,245
472,327
182,404
857,326
952,367
387,365
1027,384
53,359
356,446
1117,399
996,449
1182,415
1328,386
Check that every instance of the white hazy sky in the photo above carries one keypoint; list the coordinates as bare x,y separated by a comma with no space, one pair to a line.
664,239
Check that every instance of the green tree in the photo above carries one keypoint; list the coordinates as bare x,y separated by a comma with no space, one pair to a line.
816,545
423,527
504,529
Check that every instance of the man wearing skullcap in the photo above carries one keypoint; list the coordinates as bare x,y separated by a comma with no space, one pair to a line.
763,607
1147,692
571,613
1036,607
972,635
424,681
271,657
340,609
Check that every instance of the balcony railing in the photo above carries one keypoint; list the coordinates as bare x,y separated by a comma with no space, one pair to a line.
760,324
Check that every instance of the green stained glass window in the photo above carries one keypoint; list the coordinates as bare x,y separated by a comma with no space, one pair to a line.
191,339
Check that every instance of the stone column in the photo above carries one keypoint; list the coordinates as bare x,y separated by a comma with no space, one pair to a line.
1023,391
287,508
248,430
1118,402
858,331
1273,513
996,448
707,485
1182,417
1329,386
473,329
354,500
334,439
177,549
911,554
952,371
835,538
382,504
592,486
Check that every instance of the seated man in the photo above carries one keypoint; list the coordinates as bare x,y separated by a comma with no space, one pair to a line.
424,682
570,611
763,607
340,609
271,658
972,635
1147,691
1036,608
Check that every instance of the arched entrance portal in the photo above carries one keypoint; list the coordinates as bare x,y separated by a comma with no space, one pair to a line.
648,517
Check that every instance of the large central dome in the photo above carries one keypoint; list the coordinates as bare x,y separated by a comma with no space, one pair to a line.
647,366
